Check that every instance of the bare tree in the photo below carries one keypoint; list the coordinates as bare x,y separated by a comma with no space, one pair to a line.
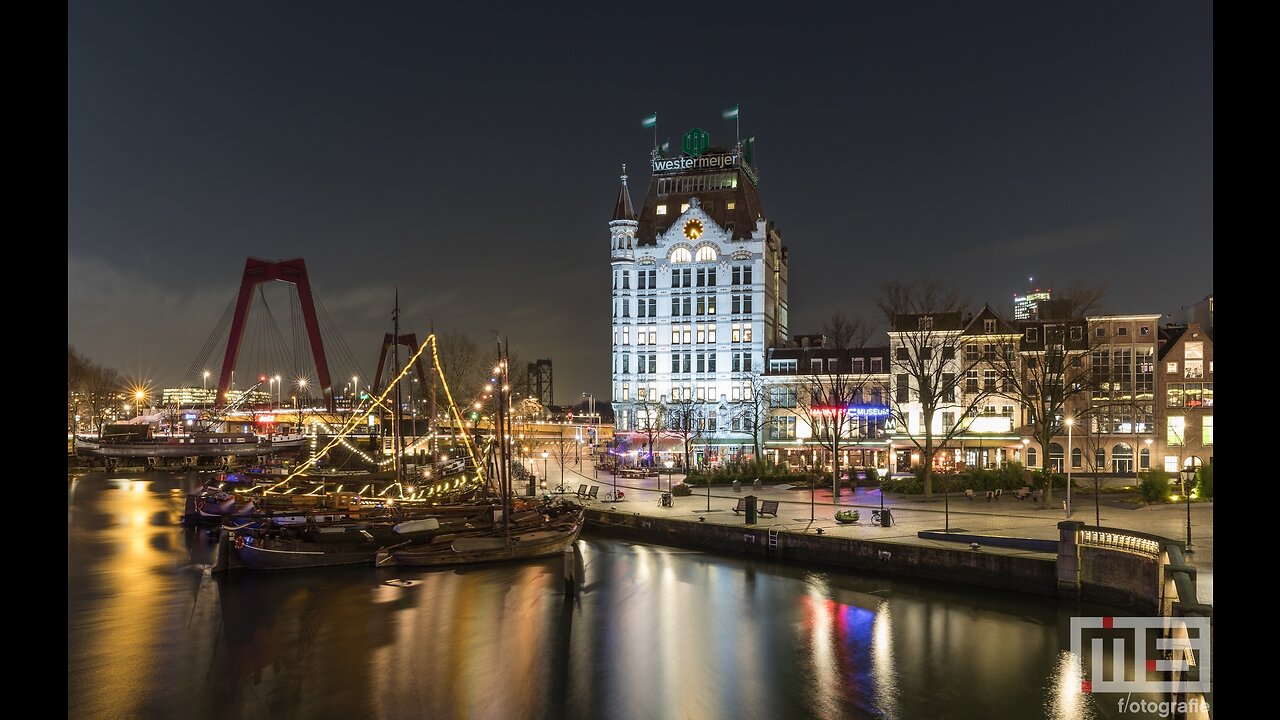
752,412
683,419
650,422
827,389
562,447
1048,375
92,391
926,363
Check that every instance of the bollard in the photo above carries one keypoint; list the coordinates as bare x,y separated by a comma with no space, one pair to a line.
570,572
737,486
756,484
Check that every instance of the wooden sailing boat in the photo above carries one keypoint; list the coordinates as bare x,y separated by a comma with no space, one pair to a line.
541,531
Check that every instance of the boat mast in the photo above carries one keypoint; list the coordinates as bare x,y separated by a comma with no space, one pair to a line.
504,480
396,428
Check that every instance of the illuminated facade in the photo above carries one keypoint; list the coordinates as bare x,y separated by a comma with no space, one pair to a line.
699,292
1027,306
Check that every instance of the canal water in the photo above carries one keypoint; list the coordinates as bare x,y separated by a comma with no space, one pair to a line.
655,633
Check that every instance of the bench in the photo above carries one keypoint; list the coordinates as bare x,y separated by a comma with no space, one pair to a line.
768,507
1022,493
969,493
582,490
1037,495
595,491
741,506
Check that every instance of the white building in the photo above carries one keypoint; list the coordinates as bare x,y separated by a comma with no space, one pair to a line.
699,291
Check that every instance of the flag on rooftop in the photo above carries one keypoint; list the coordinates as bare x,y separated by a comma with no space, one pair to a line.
650,121
731,113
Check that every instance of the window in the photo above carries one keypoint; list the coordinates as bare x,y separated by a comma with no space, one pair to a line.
989,326
971,381
1193,359
877,365
1175,428
1172,368
1033,335
782,428
989,380
738,362
948,352
815,366
1144,458
1076,332
684,207
948,387
730,205
1100,458
971,352
1100,332
948,421
626,280
706,254
904,388
1031,457
681,255
1173,395
661,210
925,323
858,365
901,353
1206,430
626,336
782,366
1077,458
1144,330
1122,331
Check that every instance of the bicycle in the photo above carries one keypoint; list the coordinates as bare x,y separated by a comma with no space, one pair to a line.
612,497
887,518
561,489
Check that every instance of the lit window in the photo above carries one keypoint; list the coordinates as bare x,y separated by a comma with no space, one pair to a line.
684,207
1206,430
681,255
1176,426
662,210
706,254
1173,367
730,205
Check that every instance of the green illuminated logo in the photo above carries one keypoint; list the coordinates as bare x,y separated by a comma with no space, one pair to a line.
695,142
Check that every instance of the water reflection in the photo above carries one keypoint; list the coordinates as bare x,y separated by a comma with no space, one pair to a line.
655,633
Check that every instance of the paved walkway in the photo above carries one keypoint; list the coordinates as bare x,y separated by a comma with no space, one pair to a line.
799,510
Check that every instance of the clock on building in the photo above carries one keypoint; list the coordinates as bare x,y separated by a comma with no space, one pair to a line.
693,229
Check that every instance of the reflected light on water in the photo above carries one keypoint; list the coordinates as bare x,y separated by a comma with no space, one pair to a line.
886,676
1065,700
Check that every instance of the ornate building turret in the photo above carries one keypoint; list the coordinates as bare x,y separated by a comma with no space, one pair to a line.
622,228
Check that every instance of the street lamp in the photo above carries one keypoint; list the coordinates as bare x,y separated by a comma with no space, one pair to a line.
1189,474
139,396
1070,424
544,469
355,390
277,380
1025,443
669,463
204,385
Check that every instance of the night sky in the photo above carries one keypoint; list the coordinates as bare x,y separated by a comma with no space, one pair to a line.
469,156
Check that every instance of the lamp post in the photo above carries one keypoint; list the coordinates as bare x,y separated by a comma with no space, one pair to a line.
668,463
1025,443
544,466
1188,475
139,396
277,380
355,391
1070,424
883,472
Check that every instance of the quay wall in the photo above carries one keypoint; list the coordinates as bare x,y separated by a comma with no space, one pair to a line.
1024,573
